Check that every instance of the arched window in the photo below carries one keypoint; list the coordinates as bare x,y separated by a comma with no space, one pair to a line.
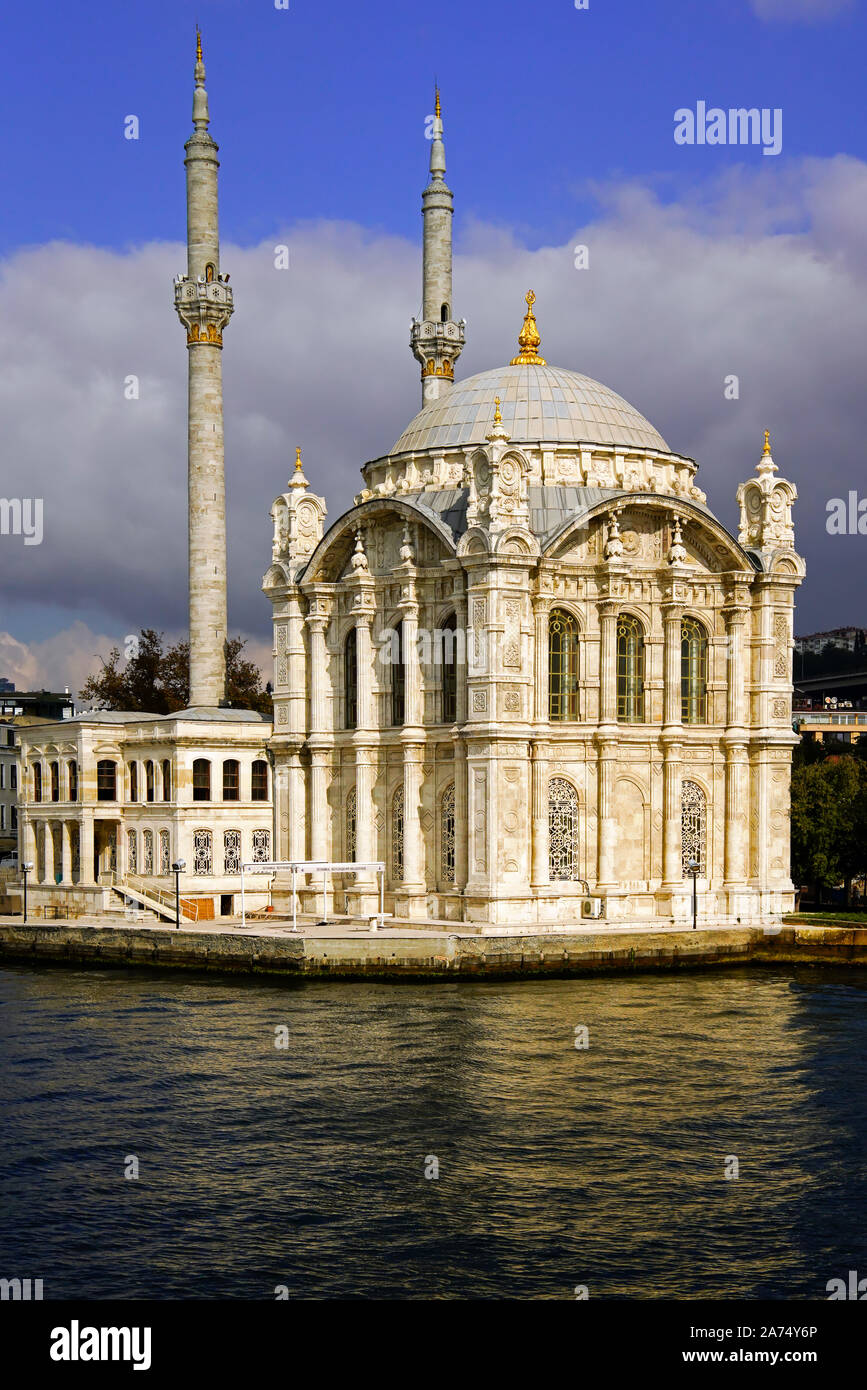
55,781
448,640
351,813
231,780
132,851
397,836
37,781
447,834
167,780
165,854
150,781
203,853
444,313
693,672
232,851
350,679
694,828
562,665
106,780
398,678
133,781
72,778
259,786
210,272
201,780
261,846
630,670
148,855
562,830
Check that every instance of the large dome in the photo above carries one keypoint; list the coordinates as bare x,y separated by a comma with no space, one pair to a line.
538,403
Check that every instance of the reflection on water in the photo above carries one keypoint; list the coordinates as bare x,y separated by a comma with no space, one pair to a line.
557,1166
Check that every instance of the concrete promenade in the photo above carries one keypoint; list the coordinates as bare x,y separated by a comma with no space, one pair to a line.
399,951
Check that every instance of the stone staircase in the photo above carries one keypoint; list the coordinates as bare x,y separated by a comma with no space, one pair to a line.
152,901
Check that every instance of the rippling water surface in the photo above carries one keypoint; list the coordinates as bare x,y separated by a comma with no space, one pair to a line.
305,1166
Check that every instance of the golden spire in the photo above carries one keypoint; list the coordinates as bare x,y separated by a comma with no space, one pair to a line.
198,44
498,419
437,108
529,339
298,464
767,449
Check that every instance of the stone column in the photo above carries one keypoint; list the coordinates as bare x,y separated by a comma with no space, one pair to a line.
413,862
672,616
462,829
65,855
608,610
607,754
672,825
297,847
735,685
48,843
737,814
541,612
364,657
411,667
317,622
462,655
539,774
27,840
85,849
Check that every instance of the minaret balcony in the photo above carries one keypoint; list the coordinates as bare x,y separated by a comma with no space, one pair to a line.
204,307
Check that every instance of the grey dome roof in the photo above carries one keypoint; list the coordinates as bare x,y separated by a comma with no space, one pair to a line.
537,404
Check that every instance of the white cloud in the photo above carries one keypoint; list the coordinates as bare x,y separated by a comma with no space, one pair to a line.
760,274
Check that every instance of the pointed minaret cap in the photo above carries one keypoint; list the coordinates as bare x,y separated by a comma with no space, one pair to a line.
298,479
498,429
437,148
529,339
201,118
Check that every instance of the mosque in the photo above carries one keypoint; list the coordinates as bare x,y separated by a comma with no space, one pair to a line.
529,670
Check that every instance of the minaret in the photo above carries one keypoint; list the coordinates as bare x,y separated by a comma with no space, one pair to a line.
437,340
204,304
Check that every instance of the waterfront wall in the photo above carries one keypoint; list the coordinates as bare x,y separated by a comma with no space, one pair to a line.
431,955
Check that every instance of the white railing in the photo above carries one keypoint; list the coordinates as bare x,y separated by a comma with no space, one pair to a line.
146,889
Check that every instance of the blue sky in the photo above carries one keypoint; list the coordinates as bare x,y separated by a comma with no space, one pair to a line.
559,130
318,108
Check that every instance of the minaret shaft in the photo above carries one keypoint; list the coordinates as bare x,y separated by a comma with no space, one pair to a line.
437,340
204,304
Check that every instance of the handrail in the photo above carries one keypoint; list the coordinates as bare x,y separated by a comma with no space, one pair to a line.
139,885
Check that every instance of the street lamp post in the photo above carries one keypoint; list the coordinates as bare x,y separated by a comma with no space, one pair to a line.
693,867
177,869
26,869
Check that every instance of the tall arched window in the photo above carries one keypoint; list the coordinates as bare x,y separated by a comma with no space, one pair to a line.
562,665
106,780
167,780
201,780
449,655
444,313
398,678
231,780
150,781
72,778
165,854
148,853
132,851
447,834
350,679
133,781
203,851
37,781
55,781
231,851
693,672
351,813
630,670
694,828
562,830
397,836
259,786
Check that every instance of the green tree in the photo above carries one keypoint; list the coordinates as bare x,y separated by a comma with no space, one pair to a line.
829,823
157,681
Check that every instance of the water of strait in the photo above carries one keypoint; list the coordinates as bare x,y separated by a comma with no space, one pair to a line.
305,1166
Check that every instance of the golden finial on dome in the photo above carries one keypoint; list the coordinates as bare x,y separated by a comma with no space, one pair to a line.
298,464
437,108
198,44
529,339
767,449
498,419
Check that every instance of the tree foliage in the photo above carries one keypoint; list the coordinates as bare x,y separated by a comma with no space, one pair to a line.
829,822
155,680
